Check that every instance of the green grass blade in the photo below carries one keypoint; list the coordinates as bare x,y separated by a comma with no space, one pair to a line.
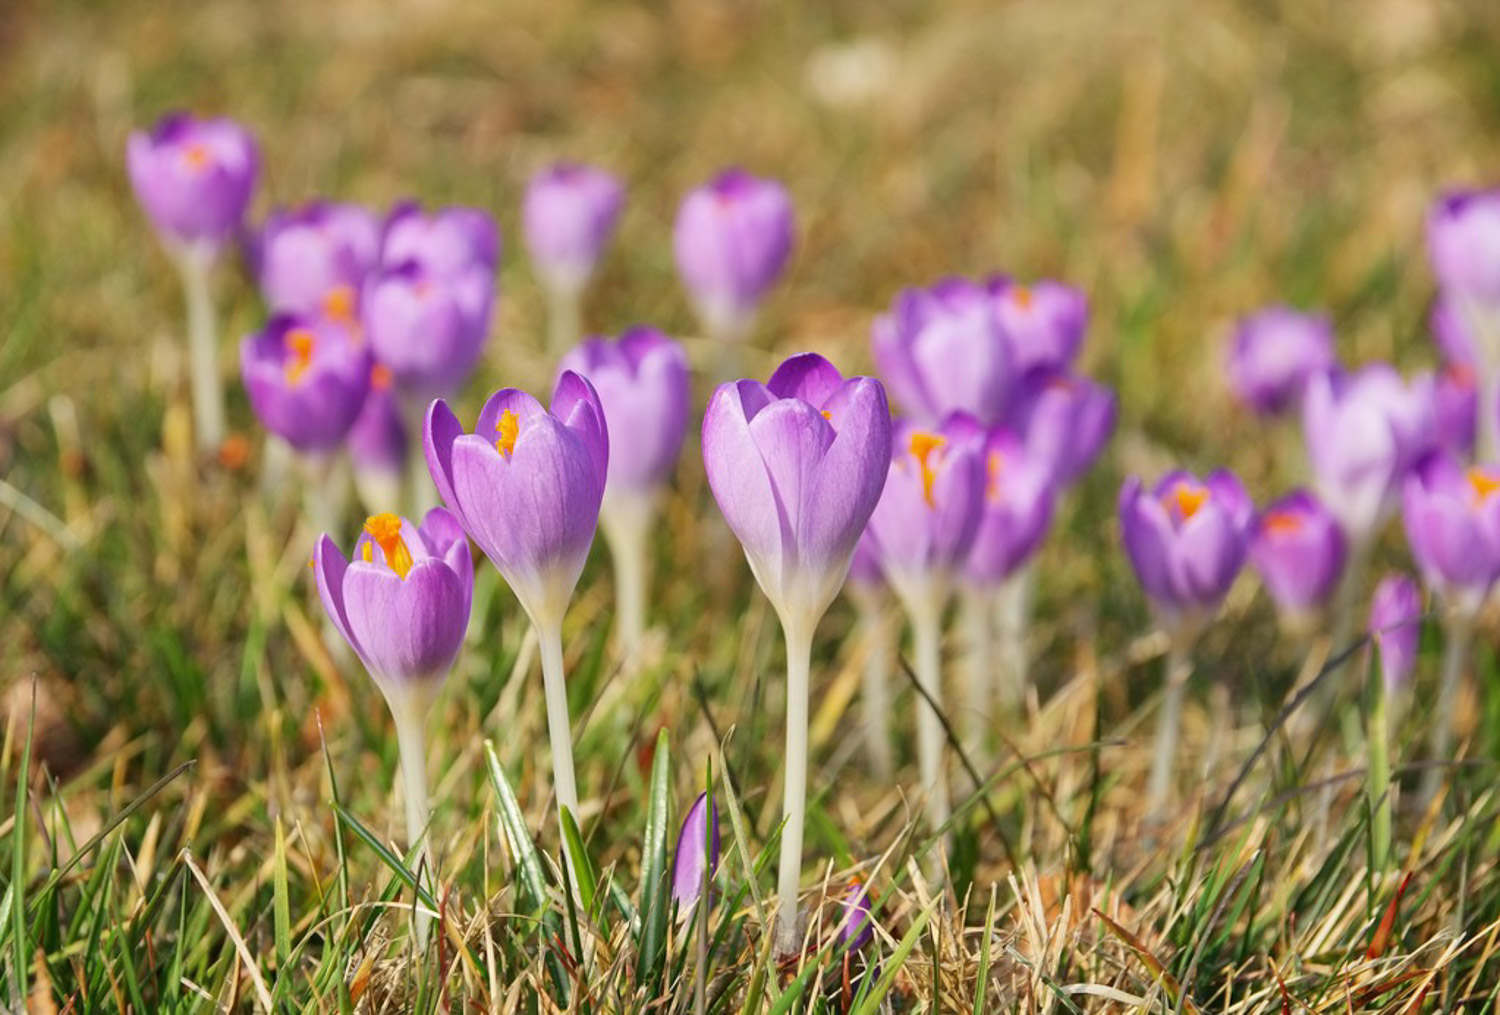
578,857
871,1004
20,951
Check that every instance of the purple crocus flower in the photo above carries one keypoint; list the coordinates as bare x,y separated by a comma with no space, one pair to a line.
1451,332
1274,352
731,240
697,854
445,242
1463,243
1017,509
642,381
796,466
1456,408
1452,518
526,485
1186,539
856,923
1065,420
942,350
402,600
1043,322
306,378
1364,432
1396,627
314,259
428,327
1299,551
569,215
378,442
193,177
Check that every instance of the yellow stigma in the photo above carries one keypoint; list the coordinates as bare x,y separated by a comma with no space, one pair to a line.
1188,499
299,343
385,530
996,465
338,304
509,428
1483,481
197,156
828,415
922,446
1022,296
1283,523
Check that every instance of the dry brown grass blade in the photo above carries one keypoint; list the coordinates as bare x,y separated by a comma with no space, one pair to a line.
1382,936
1158,971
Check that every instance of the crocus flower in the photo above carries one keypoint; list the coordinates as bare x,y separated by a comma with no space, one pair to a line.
856,923
1456,408
569,214
1364,432
445,242
194,178
1065,420
1299,551
1017,508
1451,332
731,240
1274,352
1043,322
307,379
1452,520
697,854
428,328
1463,243
378,442
314,259
1396,627
942,350
796,466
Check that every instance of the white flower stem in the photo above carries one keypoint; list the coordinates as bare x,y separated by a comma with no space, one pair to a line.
196,267
927,632
1460,629
1346,599
1179,668
1378,768
794,801
1013,611
875,688
1487,446
564,318
626,520
410,715
974,609
559,729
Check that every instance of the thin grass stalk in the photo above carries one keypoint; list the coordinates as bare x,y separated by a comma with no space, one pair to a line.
1378,768
794,801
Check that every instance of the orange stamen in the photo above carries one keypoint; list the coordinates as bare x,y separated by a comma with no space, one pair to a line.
1483,481
380,377
1188,499
300,343
197,156
922,446
828,415
508,429
1283,523
1022,296
338,304
385,530
995,466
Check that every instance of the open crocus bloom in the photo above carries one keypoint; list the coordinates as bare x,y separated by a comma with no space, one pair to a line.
402,601
1043,322
306,378
193,177
942,350
1463,243
526,485
796,466
1017,509
1452,518
1186,539
313,259
1065,420
1299,551
1274,352
569,215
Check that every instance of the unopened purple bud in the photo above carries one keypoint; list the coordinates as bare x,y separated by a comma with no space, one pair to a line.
1299,551
731,240
1017,510
697,854
1273,354
306,378
1396,627
193,177
569,215
1043,322
856,922
1463,242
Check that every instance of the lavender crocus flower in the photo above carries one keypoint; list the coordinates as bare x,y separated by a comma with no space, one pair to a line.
428,327
314,259
942,350
1043,322
1015,513
194,178
378,443
1396,627
1463,243
1456,409
1273,354
1065,420
731,240
1451,332
445,242
307,379
856,922
697,854
1452,518
569,215
1299,551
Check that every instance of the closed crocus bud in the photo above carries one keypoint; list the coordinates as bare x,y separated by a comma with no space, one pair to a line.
731,240
1273,354
642,381
1396,627
314,259
194,178
402,600
856,924
1456,403
1452,518
1299,552
445,242
796,466
1186,540
697,854
1017,509
1043,322
569,215
1463,242
526,485
306,378
429,328
1451,332
1065,420
942,350
378,442
1364,432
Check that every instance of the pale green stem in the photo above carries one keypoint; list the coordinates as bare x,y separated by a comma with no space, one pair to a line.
974,610
1378,767
1179,668
1460,628
196,267
626,521
564,318
411,742
794,800
1013,612
875,689
927,632
559,729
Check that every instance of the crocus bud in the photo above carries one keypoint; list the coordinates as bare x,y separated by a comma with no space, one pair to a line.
306,378
856,924
1299,552
378,442
445,242
1364,432
1065,420
194,178
1274,352
1186,540
1456,408
796,466
731,240
1452,518
569,215
314,259
697,854
1016,511
429,328
942,350
1396,627
1463,243
402,600
1043,322
642,381
526,486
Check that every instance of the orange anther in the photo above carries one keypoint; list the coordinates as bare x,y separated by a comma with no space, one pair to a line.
385,531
